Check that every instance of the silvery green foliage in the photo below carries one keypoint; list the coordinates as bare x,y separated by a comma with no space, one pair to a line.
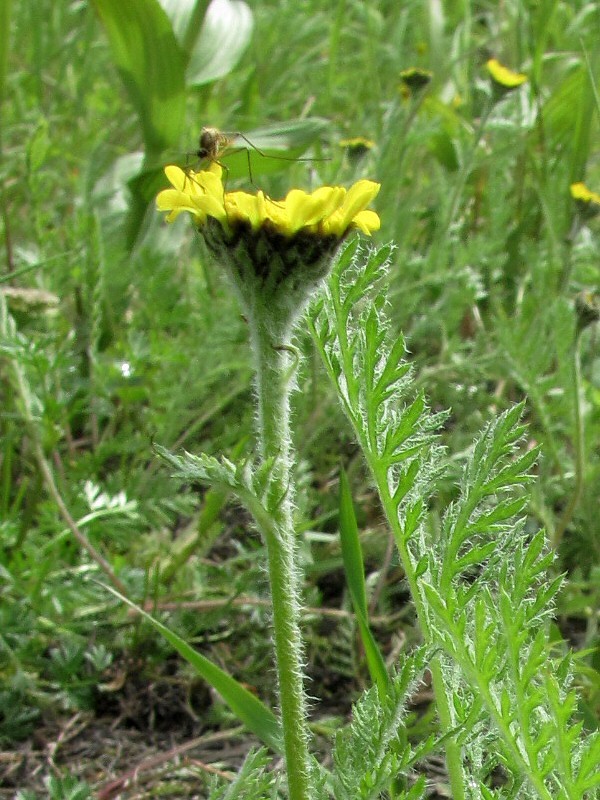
254,781
374,384
488,594
483,584
374,749
252,487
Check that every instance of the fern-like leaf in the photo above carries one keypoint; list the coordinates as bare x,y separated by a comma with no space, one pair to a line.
254,781
248,485
482,585
375,747
374,383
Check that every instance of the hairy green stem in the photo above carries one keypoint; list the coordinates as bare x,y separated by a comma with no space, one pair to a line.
274,361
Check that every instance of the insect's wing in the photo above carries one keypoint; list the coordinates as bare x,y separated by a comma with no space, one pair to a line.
269,148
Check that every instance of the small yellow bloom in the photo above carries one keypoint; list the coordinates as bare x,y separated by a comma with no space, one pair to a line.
579,191
588,202
503,77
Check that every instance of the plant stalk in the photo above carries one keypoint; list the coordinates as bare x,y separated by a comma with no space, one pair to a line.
579,441
274,368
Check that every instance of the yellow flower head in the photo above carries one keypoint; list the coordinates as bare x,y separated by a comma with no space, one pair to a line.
504,78
588,202
275,251
328,211
580,192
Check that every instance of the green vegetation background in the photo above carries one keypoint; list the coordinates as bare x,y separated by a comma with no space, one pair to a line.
133,337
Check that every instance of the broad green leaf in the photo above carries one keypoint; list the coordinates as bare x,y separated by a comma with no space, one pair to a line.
38,146
586,107
151,65
181,13
443,148
255,715
558,108
355,575
224,36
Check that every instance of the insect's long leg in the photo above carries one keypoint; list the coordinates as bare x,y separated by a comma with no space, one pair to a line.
225,169
249,167
271,155
250,176
268,155
187,170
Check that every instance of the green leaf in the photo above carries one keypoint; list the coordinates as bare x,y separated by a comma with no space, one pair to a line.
38,146
501,513
151,65
568,114
255,715
224,36
442,145
182,15
475,556
224,474
422,566
295,134
355,576
589,776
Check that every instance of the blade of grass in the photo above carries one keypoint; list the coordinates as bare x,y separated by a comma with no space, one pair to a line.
5,9
206,533
355,576
255,715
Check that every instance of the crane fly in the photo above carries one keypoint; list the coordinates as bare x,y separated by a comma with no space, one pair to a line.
214,145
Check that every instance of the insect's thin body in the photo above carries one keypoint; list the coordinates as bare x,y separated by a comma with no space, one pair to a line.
212,144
